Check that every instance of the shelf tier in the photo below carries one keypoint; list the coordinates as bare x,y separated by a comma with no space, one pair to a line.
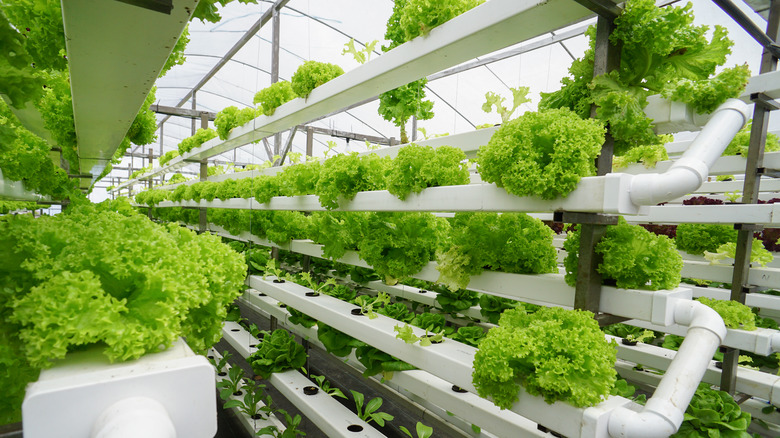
602,194
486,28
113,63
14,190
427,388
327,413
668,116
449,360
543,289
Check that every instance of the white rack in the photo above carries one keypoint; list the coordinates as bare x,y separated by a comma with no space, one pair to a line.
320,408
449,360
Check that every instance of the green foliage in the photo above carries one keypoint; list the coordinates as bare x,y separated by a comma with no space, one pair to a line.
250,404
519,97
377,361
698,238
557,353
201,136
662,52
18,79
25,157
343,176
232,117
361,56
741,142
207,9
144,125
312,74
56,108
713,413
419,167
336,342
152,197
168,156
648,155
397,311
422,430
371,411
299,179
758,254
232,384
735,314
419,17
469,335
491,306
541,154
338,232
177,54
509,242
456,301
277,352
273,96
400,244
40,23
631,256
400,104
630,332
94,276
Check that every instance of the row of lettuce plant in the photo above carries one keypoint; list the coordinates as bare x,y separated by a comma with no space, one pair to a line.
105,275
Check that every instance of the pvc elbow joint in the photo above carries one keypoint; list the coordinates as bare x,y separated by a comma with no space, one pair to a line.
691,170
696,315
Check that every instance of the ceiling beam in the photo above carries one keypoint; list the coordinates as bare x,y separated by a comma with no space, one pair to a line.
182,112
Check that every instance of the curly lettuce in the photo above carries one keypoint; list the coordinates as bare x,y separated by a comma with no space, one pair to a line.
541,154
418,167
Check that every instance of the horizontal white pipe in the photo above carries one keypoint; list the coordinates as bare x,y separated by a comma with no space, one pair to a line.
691,170
134,417
663,413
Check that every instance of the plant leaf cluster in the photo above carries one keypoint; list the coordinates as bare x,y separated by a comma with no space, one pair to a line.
277,352
232,117
273,96
312,74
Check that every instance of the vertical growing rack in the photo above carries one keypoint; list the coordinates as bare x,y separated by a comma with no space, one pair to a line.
495,25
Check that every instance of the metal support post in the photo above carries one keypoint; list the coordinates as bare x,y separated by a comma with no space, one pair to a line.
193,125
750,189
202,218
309,141
587,293
151,160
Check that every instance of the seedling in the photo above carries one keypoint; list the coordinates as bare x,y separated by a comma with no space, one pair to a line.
220,364
251,403
368,303
641,337
361,56
324,385
370,413
424,431
733,196
519,97
291,431
271,268
407,335
231,385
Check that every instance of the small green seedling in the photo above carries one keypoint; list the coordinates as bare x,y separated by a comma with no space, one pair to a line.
251,402
324,385
424,431
231,385
361,56
370,413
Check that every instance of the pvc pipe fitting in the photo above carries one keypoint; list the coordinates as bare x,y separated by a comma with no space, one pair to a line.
663,413
132,417
691,170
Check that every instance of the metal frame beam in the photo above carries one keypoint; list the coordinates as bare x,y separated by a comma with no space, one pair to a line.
181,112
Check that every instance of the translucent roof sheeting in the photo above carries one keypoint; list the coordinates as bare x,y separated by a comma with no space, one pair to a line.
318,30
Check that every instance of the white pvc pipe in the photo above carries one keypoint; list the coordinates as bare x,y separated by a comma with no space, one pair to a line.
691,170
134,417
663,413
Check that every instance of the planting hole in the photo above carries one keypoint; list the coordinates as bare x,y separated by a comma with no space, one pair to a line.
629,343
356,312
211,357
257,417
260,294
283,306
278,281
458,389
354,428
719,365
222,374
252,345
312,294
237,393
235,330
422,291
310,390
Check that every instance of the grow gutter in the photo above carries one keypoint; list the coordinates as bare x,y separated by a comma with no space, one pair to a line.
328,414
